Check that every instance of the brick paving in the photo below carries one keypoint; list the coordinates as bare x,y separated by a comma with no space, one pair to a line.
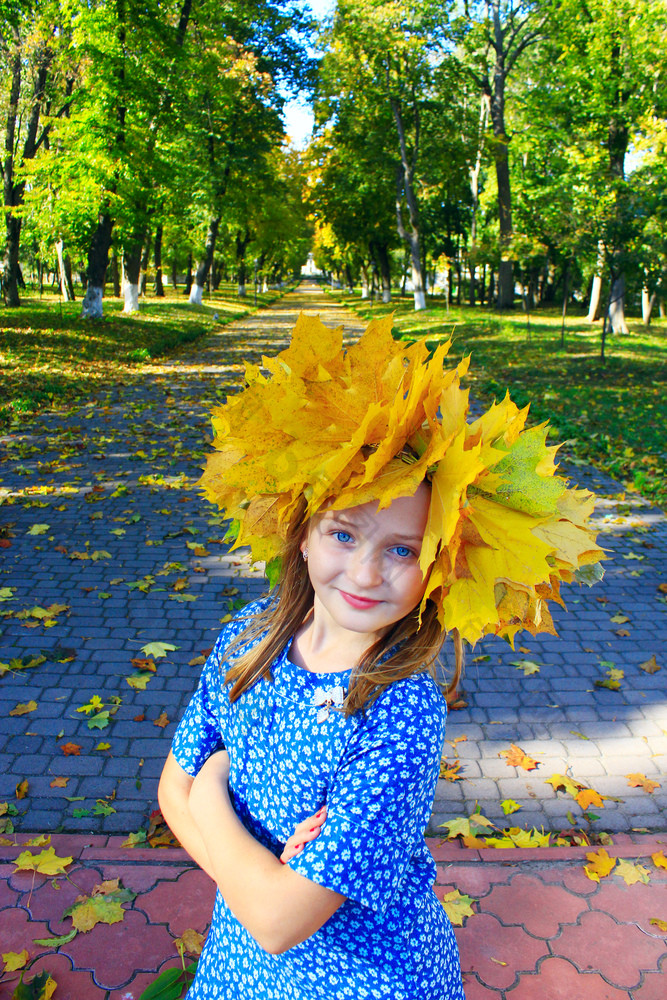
113,480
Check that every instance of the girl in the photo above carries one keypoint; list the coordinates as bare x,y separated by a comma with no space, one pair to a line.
302,775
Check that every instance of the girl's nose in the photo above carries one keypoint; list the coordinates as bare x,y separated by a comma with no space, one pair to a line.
365,569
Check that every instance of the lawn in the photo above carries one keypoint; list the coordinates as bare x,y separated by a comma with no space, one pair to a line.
50,357
612,414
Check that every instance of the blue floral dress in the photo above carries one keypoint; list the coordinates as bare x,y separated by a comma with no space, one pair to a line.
377,774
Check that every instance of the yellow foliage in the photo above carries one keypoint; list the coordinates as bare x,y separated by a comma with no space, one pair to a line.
46,863
600,864
369,423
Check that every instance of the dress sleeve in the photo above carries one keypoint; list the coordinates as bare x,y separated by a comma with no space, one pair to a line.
381,796
198,734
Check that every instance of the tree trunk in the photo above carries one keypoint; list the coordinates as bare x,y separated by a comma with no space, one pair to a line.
501,157
405,185
158,287
617,323
364,280
648,301
349,279
98,260
65,272
596,287
242,240
131,274
381,256
198,285
145,257
115,277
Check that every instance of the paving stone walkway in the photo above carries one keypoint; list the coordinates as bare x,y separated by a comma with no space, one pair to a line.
111,549
540,929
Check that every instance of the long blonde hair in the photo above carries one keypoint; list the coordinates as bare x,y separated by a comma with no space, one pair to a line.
418,645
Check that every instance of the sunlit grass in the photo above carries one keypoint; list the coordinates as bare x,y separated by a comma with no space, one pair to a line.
610,413
50,356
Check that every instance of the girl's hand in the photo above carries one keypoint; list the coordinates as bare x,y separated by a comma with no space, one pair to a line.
306,831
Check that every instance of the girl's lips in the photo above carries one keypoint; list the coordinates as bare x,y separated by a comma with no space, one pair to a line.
361,603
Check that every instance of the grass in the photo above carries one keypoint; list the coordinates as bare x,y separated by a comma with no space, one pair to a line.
51,358
611,414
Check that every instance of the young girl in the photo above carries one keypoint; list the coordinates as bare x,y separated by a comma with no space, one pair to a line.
302,775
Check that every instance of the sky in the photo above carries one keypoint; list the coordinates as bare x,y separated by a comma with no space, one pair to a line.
299,115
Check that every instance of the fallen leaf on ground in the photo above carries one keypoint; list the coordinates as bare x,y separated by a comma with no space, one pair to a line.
135,839
641,781
464,826
516,757
144,663
41,987
14,960
157,649
138,681
660,924
600,864
60,782
620,619
190,942
589,797
56,942
102,906
449,772
161,720
457,907
528,667
22,789
46,863
632,873
613,679
659,859
509,806
23,709
650,666
71,749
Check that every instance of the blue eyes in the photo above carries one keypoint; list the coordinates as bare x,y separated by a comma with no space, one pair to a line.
344,537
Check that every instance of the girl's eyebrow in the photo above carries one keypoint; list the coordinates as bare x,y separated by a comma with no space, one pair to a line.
396,536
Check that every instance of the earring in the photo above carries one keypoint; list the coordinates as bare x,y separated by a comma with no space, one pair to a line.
305,555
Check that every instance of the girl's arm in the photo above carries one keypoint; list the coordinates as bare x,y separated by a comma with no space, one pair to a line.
172,795
279,907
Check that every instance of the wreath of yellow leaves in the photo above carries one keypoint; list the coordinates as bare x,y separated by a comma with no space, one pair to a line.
371,422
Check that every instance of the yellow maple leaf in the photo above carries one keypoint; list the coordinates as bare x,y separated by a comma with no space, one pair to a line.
457,907
190,942
14,960
600,864
641,781
632,873
659,859
46,863
29,706
660,924
516,757
450,772
102,906
589,797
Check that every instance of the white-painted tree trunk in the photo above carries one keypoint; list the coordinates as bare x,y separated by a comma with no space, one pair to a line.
596,288
131,296
617,306
241,291
419,293
648,301
265,286
364,287
92,303
386,294
196,294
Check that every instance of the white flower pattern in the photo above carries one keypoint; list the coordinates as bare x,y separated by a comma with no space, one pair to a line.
377,774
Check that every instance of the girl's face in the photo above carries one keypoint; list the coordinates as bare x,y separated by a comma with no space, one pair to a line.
363,563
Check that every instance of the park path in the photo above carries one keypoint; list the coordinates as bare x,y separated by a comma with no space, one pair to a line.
111,549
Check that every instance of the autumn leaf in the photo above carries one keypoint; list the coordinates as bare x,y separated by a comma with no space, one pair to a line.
22,789
102,906
600,864
59,782
659,859
161,720
467,827
158,649
103,746
517,837
99,721
660,924
190,942
46,863
641,781
650,666
528,667
42,987
457,907
56,942
23,709
94,705
138,681
141,663
619,619
516,757
14,960
509,806
71,749
135,839
631,874
589,797
39,529
613,679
